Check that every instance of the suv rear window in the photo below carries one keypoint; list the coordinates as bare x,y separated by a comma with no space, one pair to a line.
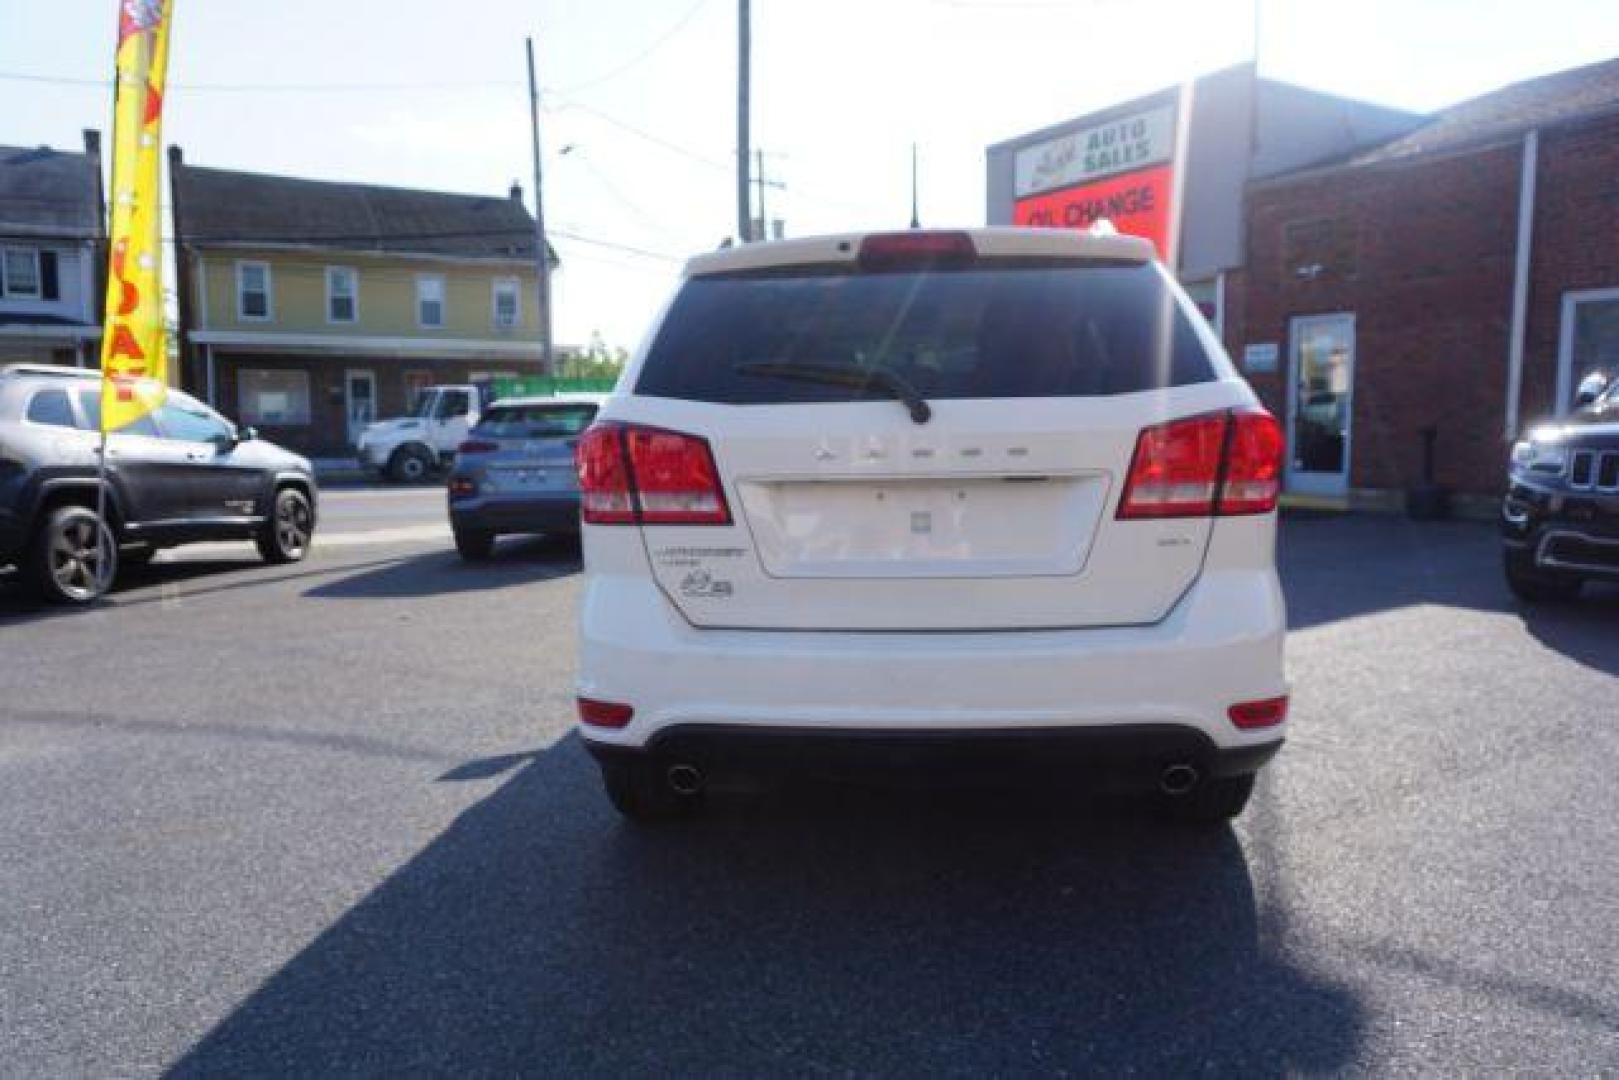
535,421
1012,331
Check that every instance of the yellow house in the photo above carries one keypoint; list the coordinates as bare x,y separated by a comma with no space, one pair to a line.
311,308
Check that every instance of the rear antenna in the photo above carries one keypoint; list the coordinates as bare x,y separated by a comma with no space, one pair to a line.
916,220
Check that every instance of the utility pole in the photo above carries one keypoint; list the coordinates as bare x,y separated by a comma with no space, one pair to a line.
916,218
744,215
542,251
764,219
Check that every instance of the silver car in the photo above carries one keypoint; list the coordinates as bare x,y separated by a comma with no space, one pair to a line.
515,472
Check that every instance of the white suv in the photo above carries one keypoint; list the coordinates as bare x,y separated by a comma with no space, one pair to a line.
992,502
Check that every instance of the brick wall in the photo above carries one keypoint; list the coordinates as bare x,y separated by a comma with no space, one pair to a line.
1421,253
326,433
1576,243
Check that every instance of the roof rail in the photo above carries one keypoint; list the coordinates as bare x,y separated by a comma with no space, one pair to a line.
50,369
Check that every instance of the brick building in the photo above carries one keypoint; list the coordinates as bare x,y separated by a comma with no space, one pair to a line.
1460,278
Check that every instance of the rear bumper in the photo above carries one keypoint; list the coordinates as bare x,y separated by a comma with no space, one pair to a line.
1126,758
556,513
1221,644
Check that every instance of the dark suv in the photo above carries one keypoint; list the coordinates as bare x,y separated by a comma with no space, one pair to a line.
179,475
1560,518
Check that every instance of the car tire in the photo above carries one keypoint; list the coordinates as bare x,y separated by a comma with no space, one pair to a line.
638,790
65,563
410,465
474,545
1216,800
285,537
1528,582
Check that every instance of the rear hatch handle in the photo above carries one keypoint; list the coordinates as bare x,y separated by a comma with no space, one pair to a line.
845,375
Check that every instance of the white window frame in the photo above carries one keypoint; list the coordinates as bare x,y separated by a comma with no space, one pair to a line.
301,374
516,288
354,294
1572,299
241,293
443,301
5,275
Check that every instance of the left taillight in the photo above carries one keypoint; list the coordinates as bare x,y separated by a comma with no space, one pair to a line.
630,473
1222,463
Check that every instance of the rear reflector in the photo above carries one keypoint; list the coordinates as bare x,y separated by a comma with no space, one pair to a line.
462,487
907,250
1175,469
630,474
1215,464
1259,714
476,446
1253,464
604,713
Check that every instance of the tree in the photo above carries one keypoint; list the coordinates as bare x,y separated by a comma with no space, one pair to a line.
596,361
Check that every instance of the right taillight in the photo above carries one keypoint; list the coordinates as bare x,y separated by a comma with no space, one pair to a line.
631,474
1253,464
1214,464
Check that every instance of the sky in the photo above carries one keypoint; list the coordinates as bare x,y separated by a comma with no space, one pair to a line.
639,97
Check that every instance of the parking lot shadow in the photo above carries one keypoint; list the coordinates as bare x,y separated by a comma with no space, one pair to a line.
516,561
901,933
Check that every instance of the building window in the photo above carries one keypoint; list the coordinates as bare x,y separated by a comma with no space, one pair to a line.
430,300
253,290
508,303
273,398
19,271
342,294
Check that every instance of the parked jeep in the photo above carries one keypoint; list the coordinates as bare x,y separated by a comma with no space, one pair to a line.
180,475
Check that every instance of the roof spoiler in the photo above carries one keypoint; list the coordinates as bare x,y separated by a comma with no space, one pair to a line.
50,369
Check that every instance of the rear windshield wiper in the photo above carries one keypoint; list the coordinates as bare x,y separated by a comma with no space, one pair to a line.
844,375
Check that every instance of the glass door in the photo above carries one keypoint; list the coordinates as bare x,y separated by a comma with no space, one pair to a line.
1321,367
360,400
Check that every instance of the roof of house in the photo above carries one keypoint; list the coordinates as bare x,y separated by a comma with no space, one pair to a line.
220,206
1511,110
45,192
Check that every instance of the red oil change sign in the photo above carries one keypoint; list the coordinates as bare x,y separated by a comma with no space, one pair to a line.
1137,203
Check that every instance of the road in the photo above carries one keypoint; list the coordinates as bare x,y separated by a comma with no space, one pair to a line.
329,818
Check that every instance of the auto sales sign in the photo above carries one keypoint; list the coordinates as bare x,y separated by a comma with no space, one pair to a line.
1122,170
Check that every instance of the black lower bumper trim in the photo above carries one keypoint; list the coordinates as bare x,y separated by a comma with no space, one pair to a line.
1124,757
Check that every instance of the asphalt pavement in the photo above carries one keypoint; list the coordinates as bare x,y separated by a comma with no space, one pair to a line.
329,819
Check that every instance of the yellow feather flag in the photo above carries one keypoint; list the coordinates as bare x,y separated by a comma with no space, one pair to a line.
134,361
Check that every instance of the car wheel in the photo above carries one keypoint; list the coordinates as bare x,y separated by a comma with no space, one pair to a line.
286,536
475,545
74,557
1530,583
639,790
410,465
1217,799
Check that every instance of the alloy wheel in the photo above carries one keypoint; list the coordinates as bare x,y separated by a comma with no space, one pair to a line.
293,526
80,561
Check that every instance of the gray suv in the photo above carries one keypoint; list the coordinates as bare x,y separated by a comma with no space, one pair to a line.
180,475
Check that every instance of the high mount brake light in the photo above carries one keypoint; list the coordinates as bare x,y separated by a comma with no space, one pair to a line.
631,474
908,250
1217,464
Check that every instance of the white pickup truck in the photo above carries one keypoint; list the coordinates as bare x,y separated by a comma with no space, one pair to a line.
407,449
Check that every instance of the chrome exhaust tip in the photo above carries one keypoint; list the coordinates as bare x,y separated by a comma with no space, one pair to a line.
1178,779
685,779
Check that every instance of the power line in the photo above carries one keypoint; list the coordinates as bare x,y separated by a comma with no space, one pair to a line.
615,246
270,88
607,76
